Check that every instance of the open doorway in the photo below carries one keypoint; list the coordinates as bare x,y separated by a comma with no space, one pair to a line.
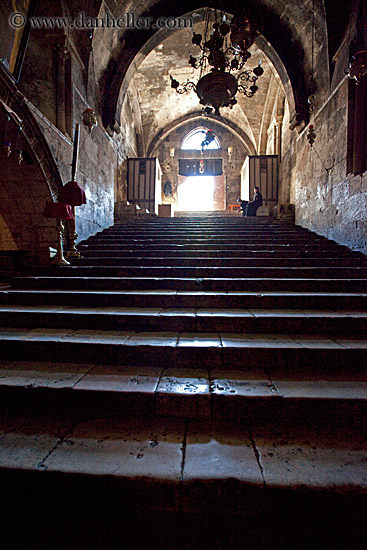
196,193
201,193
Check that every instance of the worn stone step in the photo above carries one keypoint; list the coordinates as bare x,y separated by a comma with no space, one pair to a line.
215,254
167,298
199,241
204,272
187,474
245,261
243,245
187,320
198,237
207,230
4,285
186,283
214,224
217,225
183,350
241,396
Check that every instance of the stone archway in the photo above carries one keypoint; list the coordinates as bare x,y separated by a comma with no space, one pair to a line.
281,43
198,118
234,150
25,186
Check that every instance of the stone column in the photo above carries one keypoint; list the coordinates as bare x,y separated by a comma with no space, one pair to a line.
62,92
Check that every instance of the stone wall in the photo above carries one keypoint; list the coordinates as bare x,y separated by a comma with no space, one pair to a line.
127,147
23,194
101,168
95,173
326,199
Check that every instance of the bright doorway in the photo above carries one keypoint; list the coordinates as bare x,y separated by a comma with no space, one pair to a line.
196,193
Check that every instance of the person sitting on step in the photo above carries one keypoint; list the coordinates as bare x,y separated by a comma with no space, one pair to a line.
256,202
243,205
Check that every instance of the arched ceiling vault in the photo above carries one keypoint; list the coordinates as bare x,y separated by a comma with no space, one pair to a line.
286,27
161,107
210,121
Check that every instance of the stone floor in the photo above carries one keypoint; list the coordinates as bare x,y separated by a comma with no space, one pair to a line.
166,405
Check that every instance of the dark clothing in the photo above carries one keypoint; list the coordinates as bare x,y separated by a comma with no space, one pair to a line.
243,205
252,206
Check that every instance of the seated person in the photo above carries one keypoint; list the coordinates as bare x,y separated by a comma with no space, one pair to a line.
243,205
253,205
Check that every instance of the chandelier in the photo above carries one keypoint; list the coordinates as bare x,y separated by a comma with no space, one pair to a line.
225,51
357,69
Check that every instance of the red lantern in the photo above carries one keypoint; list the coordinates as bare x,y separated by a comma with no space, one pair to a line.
58,210
311,136
72,194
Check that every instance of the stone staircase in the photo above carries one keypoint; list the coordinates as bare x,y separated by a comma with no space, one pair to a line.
193,382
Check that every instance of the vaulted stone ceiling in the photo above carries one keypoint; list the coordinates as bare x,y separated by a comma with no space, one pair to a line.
160,105
288,27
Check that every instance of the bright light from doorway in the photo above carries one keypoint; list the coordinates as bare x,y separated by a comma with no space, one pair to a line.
196,194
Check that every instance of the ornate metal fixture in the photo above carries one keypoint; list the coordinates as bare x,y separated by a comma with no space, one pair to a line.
311,103
311,135
357,68
226,51
89,119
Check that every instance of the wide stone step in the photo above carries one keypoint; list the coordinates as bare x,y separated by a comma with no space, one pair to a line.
186,283
208,230
198,237
166,298
199,241
207,245
249,261
155,480
228,223
216,254
250,394
187,320
217,225
207,272
208,350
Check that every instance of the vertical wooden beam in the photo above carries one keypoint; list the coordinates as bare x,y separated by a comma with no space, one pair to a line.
59,84
75,152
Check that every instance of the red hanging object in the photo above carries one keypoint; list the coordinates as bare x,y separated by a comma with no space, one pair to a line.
72,194
311,136
58,210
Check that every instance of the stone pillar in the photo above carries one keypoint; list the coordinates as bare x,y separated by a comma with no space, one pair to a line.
278,122
62,84
360,124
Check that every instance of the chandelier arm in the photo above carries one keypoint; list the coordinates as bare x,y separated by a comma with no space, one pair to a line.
186,87
244,90
232,50
247,76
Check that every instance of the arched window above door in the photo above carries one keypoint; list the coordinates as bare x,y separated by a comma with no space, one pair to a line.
194,138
